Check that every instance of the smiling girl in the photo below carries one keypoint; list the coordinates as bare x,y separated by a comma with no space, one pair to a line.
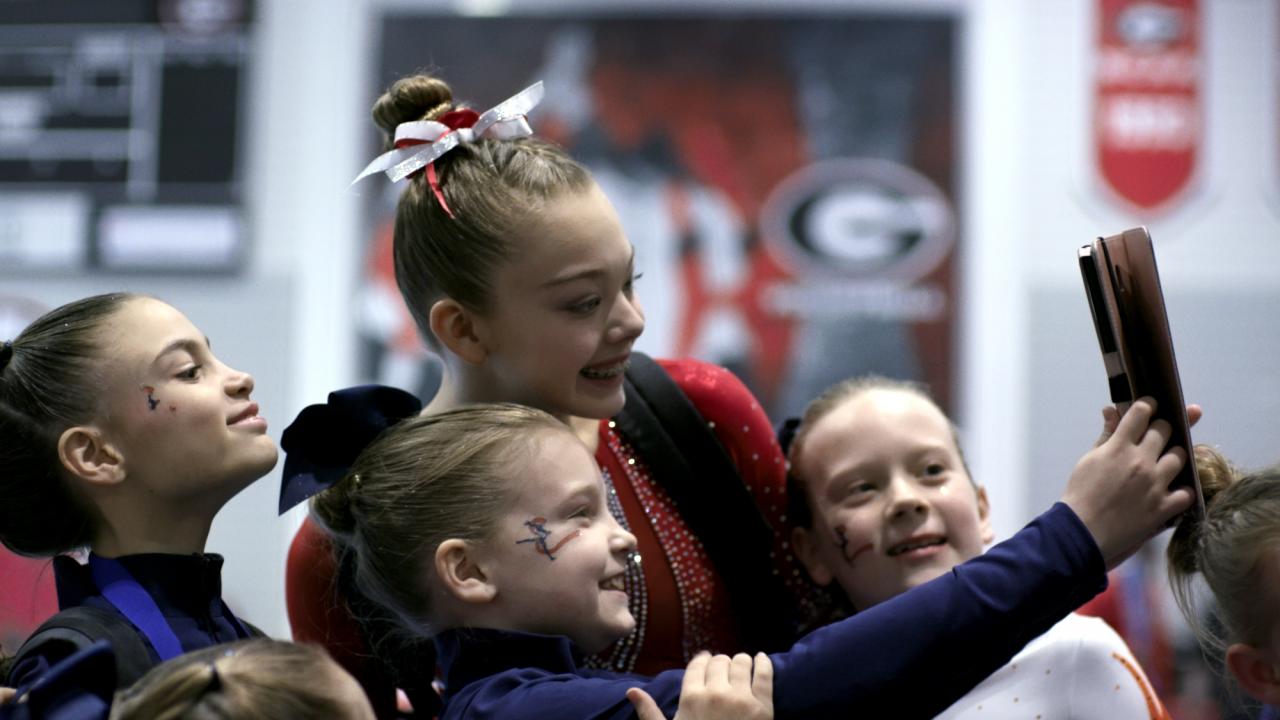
124,434
520,277
486,530
885,503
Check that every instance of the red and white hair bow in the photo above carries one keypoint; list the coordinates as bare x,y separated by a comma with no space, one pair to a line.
504,121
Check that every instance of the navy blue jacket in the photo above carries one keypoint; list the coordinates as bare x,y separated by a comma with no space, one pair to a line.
186,588
909,657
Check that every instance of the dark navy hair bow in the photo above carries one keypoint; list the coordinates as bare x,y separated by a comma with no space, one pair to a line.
324,440
79,687
787,433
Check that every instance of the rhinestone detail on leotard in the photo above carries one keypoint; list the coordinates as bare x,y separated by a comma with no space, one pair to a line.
622,655
684,552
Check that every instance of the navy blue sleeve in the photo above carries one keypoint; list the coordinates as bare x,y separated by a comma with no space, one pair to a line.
532,694
914,655
909,657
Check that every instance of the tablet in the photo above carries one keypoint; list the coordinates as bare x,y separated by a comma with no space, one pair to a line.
1123,286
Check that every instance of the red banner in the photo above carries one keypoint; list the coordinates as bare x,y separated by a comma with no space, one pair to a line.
1148,117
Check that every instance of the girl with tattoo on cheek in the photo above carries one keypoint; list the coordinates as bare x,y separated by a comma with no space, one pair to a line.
884,502
123,434
522,281
485,530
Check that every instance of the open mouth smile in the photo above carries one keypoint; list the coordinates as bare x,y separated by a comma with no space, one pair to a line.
605,371
915,544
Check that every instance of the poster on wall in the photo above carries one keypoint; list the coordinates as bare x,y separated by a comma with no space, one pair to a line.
1273,195
1148,105
788,181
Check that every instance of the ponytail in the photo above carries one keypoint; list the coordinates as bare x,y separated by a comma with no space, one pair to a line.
1241,526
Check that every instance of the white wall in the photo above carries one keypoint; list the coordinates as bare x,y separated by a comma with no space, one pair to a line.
1218,253
307,108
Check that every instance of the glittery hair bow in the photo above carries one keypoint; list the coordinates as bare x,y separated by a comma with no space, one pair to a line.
503,121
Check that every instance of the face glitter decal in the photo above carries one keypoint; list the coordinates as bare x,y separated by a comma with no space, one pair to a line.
152,400
842,542
541,533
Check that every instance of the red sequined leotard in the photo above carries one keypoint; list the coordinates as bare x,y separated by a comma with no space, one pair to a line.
680,604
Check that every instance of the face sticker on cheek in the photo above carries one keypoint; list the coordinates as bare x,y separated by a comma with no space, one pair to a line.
152,400
842,544
537,527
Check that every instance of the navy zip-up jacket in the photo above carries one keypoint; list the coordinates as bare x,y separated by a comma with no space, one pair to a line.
909,657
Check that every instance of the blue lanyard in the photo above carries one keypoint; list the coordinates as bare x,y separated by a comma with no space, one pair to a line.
123,591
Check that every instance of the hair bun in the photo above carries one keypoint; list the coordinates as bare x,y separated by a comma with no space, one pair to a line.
1214,470
332,508
1216,474
417,97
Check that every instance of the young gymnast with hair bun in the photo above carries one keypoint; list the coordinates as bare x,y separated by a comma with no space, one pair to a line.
1236,549
883,502
123,434
485,528
520,277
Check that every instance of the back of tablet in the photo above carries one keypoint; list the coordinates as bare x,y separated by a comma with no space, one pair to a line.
1123,285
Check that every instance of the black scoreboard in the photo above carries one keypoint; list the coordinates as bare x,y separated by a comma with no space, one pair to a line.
122,138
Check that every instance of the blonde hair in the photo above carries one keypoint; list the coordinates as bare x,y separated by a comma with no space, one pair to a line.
258,678
1240,527
493,187
423,481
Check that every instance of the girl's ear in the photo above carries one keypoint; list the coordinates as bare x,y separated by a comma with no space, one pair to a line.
1255,672
460,572
87,455
984,516
804,543
455,327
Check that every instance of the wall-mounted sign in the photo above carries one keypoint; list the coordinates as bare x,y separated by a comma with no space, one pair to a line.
1148,115
118,121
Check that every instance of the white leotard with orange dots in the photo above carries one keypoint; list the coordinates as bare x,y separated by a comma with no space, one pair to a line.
1079,670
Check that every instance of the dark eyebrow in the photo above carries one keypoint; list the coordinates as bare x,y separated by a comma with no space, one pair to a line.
187,344
592,273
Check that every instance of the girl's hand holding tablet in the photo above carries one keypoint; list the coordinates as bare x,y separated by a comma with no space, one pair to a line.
1120,488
